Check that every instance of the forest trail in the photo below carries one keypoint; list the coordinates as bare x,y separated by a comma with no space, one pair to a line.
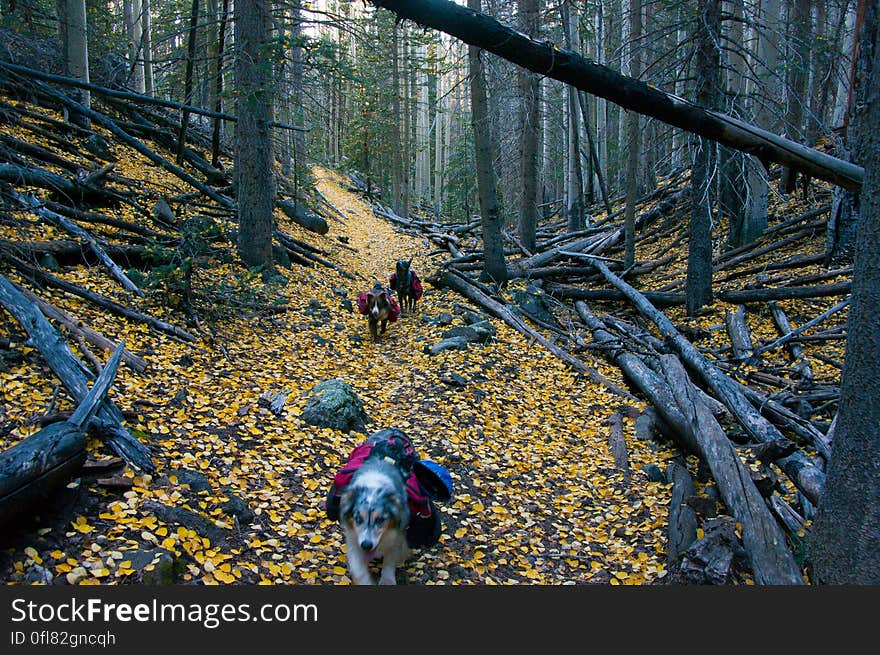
537,496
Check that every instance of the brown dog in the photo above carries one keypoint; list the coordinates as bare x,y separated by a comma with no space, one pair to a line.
380,308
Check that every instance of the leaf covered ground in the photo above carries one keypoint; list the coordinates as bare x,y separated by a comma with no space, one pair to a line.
537,497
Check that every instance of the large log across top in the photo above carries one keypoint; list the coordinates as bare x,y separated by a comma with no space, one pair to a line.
546,58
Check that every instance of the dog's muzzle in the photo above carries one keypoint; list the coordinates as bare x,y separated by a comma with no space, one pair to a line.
369,549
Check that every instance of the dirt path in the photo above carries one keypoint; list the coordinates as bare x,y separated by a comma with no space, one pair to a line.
537,497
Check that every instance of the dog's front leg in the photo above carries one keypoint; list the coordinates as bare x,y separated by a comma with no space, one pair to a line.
391,561
358,568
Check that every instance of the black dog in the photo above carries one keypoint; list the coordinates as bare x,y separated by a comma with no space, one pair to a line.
407,285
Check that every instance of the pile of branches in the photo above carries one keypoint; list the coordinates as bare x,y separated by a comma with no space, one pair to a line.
59,167
765,450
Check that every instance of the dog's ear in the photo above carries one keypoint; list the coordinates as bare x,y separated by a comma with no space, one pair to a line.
346,504
399,509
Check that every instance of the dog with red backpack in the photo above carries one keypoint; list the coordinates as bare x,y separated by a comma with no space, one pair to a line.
384,499
406,284
380,307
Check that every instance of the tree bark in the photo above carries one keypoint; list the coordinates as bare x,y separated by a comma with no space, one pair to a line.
708,73
495,267
846,533
530,126
253,138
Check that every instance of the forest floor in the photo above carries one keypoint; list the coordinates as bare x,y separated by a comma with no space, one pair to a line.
537,497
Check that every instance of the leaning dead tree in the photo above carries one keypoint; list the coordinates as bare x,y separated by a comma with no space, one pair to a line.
548,59
36,466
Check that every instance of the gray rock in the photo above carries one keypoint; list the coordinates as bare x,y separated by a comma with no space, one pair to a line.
334,404
645,426
531,302
459,343
484,331
444,318
342,293
163,565
454,380
162,211
237,507
472,317
189,519
38,575
460,331
654,473
347,305
196,481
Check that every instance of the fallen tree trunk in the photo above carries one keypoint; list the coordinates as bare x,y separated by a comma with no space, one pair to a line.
577,293
800,469
303,217
738,331
100,301
90,241
546,58
806,326
36,466
107,123
466,288
763,540
682,518
73,374
802,365
77,327
785,293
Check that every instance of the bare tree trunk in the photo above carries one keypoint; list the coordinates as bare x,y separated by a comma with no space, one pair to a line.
765,117
632,133
799,66
530,132
188,79
708,69
78,55
732,187
218,86
845,542
253,135
493,246
575,203
147,47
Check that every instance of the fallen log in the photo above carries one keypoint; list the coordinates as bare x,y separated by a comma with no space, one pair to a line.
785,293
462,285
302,251
36,466
643,378
577,293
69,226
73,375
110,125
806,326
618,446
738,330
100,301
764,542
77,327
303,216
547,59
800,469
682,531
802,365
